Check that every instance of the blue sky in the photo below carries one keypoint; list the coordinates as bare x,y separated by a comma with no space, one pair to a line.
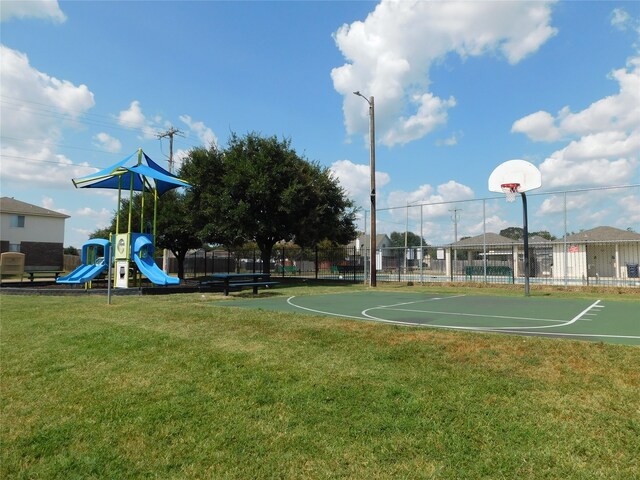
459,88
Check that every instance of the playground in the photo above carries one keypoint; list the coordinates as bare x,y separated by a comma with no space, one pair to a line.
129,251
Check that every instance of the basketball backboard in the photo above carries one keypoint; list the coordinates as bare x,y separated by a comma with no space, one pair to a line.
526,175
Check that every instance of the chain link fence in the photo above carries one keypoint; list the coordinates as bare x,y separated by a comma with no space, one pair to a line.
579,237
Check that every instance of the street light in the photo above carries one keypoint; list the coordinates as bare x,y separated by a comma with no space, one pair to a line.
372,168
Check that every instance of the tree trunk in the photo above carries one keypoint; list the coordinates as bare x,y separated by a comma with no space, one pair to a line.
180,256
265,255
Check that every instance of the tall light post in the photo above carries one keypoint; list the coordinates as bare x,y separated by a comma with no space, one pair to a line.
372,168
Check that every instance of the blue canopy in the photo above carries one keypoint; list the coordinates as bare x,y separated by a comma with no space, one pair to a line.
146,177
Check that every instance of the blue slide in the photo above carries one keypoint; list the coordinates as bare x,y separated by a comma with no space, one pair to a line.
143,256
83,274
88,271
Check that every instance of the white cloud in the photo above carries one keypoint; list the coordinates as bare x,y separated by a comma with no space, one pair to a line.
28,150
134,118
436,203
605,144
449,141
204,133
107,142
621,20
629,206
42,168
92,213
355,179
48,203
45,9
539,126
390,53
556,204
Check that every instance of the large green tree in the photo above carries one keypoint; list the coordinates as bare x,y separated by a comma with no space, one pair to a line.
517,233
398,239
259,189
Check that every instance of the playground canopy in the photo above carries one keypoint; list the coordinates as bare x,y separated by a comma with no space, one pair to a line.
144,175
140,177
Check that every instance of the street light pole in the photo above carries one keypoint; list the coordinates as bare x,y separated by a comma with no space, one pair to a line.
372,168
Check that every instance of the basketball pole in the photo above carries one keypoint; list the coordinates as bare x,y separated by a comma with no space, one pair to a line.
525,232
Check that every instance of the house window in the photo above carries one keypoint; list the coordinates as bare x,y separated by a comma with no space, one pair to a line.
14,247
17,221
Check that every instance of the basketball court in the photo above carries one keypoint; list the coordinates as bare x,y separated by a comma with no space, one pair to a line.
578,319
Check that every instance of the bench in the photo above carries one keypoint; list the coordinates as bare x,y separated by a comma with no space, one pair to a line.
33,272
350,269
287,269
492,270
238,281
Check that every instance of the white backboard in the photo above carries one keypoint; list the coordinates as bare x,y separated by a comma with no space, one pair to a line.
515,171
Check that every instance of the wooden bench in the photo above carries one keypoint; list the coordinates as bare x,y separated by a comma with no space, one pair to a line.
238,281
33,272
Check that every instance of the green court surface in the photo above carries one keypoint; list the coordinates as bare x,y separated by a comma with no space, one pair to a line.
579,319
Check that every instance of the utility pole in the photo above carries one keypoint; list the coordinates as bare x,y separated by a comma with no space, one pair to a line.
169,133
372,172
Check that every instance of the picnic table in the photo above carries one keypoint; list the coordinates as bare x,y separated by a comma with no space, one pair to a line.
237,281
32,273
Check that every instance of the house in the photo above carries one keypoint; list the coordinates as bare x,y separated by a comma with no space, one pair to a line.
362,246
471,252
383,242
36,232
501,252
602,252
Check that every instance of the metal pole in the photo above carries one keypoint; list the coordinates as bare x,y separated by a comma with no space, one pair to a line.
366,276
421,249
372,167
110,270
406,234
372,171
455,238
526,243
566,253
484,238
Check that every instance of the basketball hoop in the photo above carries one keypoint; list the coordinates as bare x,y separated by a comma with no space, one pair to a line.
510,190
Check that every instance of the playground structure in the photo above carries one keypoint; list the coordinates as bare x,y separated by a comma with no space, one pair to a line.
92,264
130,253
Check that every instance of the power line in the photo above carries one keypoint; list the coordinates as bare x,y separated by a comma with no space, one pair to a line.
37,160
28,140
72,115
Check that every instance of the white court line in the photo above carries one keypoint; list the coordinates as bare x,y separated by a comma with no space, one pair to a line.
481,329
502,317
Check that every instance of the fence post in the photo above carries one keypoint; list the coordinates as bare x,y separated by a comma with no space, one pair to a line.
353,264
254,260
195,261
515,260
282,261
317,266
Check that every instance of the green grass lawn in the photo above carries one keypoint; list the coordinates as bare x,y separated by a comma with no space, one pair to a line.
173,387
